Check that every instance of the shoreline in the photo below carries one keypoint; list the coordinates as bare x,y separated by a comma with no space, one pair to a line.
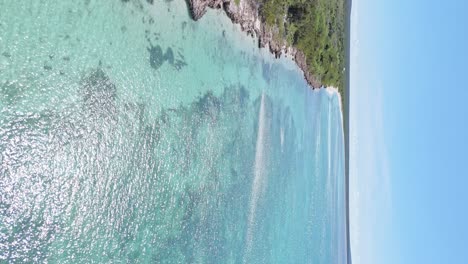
346,91
333,90
246,14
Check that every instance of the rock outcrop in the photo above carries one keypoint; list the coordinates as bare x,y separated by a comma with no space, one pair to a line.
246,13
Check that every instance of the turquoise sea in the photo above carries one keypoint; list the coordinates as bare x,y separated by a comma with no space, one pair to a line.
131,134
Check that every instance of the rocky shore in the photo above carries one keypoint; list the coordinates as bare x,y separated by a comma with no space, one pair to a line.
246,13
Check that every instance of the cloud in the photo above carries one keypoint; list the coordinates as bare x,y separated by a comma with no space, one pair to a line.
370,182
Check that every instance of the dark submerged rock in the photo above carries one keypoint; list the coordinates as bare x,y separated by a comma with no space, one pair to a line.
169,56
156,56
99,93
179,64
209,105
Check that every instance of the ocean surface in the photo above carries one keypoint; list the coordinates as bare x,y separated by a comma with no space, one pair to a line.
131,134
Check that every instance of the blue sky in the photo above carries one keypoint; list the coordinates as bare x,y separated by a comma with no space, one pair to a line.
409,129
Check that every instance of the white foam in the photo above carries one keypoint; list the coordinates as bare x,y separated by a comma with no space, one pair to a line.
331,91
259,181
282,138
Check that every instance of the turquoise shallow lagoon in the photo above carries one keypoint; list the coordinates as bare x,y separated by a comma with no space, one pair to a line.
131,134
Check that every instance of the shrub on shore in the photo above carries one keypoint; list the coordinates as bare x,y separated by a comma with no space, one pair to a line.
317,28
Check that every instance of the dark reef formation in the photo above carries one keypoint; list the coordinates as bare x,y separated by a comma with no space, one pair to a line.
158,57
246,13
99,95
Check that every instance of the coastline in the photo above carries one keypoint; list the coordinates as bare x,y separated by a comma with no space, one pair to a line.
346,126
333,90
344,111
246,14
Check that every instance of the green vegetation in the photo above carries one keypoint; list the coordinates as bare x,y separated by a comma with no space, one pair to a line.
317,28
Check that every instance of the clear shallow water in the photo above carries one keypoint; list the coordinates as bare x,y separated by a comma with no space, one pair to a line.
129,133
